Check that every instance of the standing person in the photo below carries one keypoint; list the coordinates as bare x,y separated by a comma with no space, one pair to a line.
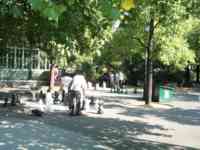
78,90
112,81
54,72
117,79
121,80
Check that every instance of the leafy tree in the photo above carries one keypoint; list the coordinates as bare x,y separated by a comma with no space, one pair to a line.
160,20
45,24
163,41
85,31
193,38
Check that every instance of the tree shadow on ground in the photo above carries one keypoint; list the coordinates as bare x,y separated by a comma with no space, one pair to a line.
175,114
186,97
121,99
81,132
125,97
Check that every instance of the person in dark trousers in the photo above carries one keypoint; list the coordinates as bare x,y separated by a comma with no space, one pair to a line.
78,91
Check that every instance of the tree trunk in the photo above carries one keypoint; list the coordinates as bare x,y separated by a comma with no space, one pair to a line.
149,82
197,73
145,76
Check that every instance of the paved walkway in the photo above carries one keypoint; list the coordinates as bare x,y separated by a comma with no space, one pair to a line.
127,124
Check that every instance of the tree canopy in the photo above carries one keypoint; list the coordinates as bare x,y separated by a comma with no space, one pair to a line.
94,30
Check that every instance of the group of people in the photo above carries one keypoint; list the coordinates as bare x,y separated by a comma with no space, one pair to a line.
76,89
115,80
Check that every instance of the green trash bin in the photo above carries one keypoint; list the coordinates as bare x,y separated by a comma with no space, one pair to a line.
163,93
166,93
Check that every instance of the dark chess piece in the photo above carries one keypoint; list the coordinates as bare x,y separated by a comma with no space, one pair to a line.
5,102
37,112
13,100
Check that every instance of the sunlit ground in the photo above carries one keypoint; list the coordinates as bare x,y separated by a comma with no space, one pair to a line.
22,132
126,124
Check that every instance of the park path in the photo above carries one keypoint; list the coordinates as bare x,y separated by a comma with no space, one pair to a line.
127,124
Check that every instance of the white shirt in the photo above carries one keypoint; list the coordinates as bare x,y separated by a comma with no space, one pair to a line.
117,77
121,76
66,80
78,83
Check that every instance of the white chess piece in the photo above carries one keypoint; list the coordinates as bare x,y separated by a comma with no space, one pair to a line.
87,105
49,101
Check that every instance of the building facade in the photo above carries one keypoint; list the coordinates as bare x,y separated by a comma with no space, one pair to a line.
22,64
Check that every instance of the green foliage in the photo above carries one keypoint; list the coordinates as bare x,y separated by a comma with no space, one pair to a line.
172,46
48,9
192,7
171,25
122,46
176,52
193,37
80,31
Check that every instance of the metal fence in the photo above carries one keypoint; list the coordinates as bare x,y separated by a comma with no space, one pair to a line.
22,63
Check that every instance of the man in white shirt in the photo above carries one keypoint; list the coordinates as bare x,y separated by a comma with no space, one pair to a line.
78,89
121,79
